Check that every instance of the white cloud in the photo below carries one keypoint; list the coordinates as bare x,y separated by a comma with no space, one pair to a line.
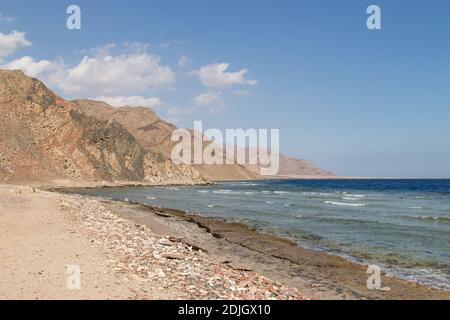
132,101
126,77
107,75
9,43
53,72
216,76
30,66
184,61
123,79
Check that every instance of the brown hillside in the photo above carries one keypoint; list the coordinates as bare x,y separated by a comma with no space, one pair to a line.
154,134
44,138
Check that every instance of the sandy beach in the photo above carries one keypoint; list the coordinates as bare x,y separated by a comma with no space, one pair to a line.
130,251
43,232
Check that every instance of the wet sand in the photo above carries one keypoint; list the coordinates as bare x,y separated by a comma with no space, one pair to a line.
315,274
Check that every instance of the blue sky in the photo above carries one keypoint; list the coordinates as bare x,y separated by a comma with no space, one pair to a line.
352,100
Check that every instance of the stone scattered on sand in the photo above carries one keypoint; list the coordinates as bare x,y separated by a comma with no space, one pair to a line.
173,256
169,263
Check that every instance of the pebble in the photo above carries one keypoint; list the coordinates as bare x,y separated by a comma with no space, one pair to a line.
173,256
167,262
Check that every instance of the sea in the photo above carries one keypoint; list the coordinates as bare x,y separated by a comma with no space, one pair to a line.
403,226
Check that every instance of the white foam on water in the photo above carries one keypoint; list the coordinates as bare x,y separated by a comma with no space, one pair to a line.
322,194
345,204
224,191
436,218
270,202
150,198
210,205
251,184
203,191
350,199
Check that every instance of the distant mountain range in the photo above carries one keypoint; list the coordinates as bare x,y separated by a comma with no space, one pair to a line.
46,139
155,134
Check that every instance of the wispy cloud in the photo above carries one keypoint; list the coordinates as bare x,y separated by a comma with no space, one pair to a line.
184,61
216,76
133,101
8,19
212,100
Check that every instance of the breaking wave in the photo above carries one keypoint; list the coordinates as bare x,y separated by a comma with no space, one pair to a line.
435,219
345,204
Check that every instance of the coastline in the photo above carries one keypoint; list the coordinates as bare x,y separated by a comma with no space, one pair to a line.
309,271
134,251
42,233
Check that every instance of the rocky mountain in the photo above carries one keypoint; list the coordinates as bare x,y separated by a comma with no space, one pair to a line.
296,168
155,134
44,138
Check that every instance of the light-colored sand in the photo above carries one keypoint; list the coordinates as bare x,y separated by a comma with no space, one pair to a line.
128,251
36,245
41,233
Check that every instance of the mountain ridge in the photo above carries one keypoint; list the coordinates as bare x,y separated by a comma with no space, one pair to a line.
47,139
145,121
44,138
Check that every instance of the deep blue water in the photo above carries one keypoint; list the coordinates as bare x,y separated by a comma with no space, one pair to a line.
402,225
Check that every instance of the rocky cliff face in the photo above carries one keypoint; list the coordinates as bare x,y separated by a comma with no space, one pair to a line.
44,138
154,134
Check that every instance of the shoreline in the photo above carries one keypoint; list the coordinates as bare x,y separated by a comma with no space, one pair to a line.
43,233
317,266
136,251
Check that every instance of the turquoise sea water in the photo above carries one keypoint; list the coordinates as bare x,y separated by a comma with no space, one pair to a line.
401,225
